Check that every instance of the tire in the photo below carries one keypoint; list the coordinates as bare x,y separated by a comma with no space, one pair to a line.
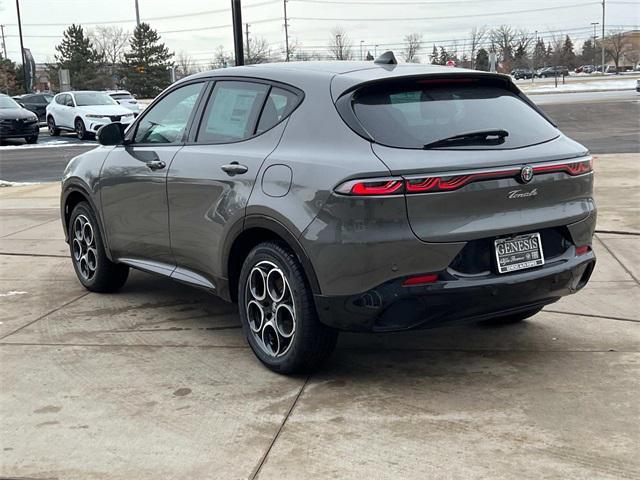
31,140
51,125
510,319
294,339
80,129
93,268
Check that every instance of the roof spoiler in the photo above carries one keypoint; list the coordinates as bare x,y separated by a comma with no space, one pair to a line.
387,58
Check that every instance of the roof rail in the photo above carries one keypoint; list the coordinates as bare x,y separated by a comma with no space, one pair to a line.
387,58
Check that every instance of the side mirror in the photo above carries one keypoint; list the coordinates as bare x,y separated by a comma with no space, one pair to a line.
111,134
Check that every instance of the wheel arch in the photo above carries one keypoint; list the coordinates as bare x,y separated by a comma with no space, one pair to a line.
258,229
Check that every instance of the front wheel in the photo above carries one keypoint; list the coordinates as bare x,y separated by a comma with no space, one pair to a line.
93,268
278,314
31,140
51,125
81,131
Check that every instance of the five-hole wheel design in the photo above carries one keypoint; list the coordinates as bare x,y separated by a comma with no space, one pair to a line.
84,247
270,308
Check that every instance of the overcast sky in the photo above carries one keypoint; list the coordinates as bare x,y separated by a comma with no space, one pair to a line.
373,22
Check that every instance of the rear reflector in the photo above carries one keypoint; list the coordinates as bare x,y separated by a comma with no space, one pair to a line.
581,250
420,280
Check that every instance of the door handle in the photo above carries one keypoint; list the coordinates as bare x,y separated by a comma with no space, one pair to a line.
156,164
234,168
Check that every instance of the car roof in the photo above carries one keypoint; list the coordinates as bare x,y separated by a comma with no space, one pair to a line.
342,74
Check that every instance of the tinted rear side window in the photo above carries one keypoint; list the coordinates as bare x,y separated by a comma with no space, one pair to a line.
415,113
279,104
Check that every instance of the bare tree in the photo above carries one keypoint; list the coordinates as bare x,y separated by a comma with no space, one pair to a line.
616,47
340,46
477,37
414,45
220,59
184,63
111,42
503,42
257,51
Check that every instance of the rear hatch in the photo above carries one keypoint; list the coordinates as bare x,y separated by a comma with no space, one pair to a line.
475,186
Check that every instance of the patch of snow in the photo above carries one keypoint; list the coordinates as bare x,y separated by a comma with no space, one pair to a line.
12,293
51,144
5,183
622,84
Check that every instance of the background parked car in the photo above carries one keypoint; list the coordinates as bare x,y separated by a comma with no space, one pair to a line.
520,73
125,99
84,112
16,121
36,102
585,69
553,72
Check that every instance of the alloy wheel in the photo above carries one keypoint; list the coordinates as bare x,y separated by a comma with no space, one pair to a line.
85,254
52,126
270,308
80,129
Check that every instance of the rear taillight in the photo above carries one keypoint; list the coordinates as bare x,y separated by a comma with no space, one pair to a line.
582,249
447,183
572,168
383,186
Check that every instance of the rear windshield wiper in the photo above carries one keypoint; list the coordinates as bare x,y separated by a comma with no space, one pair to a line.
488,137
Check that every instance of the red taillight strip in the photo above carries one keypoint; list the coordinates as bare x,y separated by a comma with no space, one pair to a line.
388,187
572,168
446,184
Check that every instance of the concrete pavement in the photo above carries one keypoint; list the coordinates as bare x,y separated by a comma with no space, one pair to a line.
157,382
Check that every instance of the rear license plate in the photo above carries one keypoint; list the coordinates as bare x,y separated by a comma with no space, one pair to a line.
519,253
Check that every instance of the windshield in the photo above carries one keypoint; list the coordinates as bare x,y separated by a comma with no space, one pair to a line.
84,99
48,98
8,102
411,114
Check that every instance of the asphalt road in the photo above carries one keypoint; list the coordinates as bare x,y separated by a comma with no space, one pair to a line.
605,122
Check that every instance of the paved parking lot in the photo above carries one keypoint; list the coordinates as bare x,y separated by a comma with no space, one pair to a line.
157,382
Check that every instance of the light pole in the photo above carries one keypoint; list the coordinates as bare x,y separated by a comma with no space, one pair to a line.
137,13
361,54
602,38
24,63
533,58
286,32
339,47
595,36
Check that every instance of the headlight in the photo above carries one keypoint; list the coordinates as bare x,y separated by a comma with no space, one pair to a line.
97,116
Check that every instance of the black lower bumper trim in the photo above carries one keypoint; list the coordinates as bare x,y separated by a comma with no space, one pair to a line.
392,307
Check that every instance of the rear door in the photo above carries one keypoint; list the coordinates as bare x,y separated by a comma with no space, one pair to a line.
472,188
211,178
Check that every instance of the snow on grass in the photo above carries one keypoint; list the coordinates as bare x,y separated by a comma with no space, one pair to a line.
622,84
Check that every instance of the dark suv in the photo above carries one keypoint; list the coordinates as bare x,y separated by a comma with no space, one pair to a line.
326,196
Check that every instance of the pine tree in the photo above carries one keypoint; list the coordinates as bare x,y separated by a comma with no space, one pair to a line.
568,56
8,78
76,54
539,54
588,52
435,59
482,60
147,65
444,56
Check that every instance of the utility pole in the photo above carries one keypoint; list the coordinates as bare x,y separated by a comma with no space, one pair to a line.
4,45
24,63
361,45
236,14
533,58
246,28
602,39
286,32
137,13
595,36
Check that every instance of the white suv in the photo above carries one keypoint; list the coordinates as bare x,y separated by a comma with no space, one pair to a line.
84,112
125,99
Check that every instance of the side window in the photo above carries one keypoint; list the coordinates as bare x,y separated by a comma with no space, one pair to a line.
279,104
60,100
232,112
69,100
167,120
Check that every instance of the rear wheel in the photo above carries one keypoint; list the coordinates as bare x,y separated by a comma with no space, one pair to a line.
51,125
93,268
513,318
278,313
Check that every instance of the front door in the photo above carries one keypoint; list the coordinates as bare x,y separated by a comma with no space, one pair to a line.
133,181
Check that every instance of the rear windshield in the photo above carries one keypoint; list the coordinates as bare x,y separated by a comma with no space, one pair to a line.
415,113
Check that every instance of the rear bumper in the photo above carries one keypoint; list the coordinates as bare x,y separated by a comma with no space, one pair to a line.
392,307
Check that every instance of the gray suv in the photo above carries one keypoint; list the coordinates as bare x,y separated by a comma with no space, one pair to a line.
327,196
